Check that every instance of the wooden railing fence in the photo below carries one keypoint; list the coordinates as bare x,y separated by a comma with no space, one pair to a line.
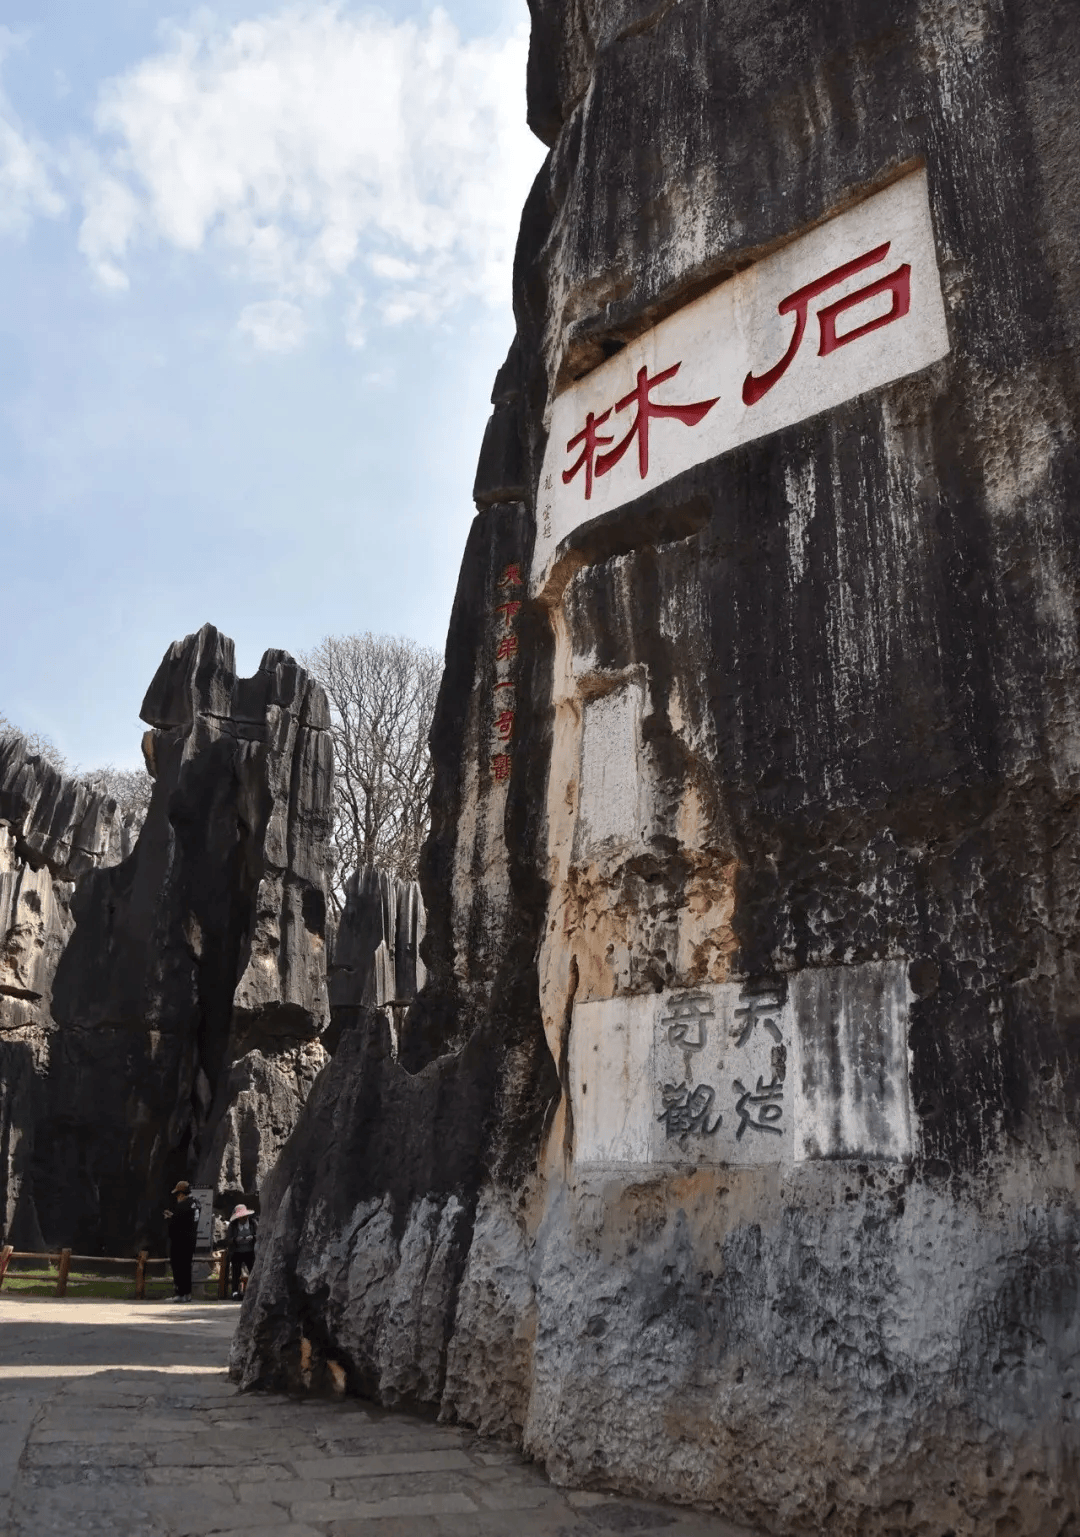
61,1263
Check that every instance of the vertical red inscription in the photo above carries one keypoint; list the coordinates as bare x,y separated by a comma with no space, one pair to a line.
509,610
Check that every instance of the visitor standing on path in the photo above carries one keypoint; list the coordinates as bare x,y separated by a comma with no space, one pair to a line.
183,1223
240,1243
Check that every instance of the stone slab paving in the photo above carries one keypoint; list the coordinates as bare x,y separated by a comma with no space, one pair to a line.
118,1418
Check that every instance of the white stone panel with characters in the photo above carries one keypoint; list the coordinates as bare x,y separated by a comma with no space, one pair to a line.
815,1066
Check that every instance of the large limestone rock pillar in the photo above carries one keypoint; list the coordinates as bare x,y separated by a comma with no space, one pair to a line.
731,1151
53,830
178,990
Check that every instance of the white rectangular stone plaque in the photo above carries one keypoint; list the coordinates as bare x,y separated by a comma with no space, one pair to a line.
845,308
734,1074
204,1234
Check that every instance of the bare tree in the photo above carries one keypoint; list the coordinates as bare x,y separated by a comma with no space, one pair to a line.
129,788
37,745
382,691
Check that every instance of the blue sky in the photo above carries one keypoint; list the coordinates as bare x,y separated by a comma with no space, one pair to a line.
254,288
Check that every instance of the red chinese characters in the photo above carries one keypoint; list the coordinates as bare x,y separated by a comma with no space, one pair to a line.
897,283
506,649
594,462
592,441
646,410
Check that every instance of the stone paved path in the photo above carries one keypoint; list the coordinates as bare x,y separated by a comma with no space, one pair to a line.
118,1419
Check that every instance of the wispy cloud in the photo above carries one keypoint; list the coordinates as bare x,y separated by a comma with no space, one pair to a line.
312,153
26,187
274,325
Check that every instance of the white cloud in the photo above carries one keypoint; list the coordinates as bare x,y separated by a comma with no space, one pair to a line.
26,188
274,325
311,147
355,334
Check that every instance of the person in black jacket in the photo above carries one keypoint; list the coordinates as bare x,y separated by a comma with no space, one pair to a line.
183,1223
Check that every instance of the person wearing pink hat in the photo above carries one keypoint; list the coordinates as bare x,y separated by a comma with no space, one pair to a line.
240,1244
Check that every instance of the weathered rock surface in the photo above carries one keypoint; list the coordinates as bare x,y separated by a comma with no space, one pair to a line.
55,821
375,950
794,751
185,1005
52,830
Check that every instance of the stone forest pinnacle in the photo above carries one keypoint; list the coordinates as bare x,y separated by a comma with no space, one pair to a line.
727,1151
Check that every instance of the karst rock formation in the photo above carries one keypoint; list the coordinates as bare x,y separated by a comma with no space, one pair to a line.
730,1152
161,1006
52,831
375,955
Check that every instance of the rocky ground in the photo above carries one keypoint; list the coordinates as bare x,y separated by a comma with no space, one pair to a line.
119,1419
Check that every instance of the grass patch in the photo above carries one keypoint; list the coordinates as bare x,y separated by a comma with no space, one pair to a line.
31,1282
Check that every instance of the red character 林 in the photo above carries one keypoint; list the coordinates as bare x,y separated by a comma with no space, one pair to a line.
592,440
646,410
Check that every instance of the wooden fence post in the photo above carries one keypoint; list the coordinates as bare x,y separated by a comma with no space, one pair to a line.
65,1266
140,1276
5,1254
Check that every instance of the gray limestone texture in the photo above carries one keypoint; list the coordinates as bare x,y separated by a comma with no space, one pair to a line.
53,831
374,953
162,1005
798,719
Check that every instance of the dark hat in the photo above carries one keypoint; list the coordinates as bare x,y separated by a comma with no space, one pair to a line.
181,1188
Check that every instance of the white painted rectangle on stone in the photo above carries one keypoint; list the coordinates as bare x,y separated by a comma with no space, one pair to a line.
741,1074
613,798
693,1077
845,308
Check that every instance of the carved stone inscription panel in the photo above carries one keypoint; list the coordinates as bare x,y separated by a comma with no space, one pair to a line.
841,309
815,1067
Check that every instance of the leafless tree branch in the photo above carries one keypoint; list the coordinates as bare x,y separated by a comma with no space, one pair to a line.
382,691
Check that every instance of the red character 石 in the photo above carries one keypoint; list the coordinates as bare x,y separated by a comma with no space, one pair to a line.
897,283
